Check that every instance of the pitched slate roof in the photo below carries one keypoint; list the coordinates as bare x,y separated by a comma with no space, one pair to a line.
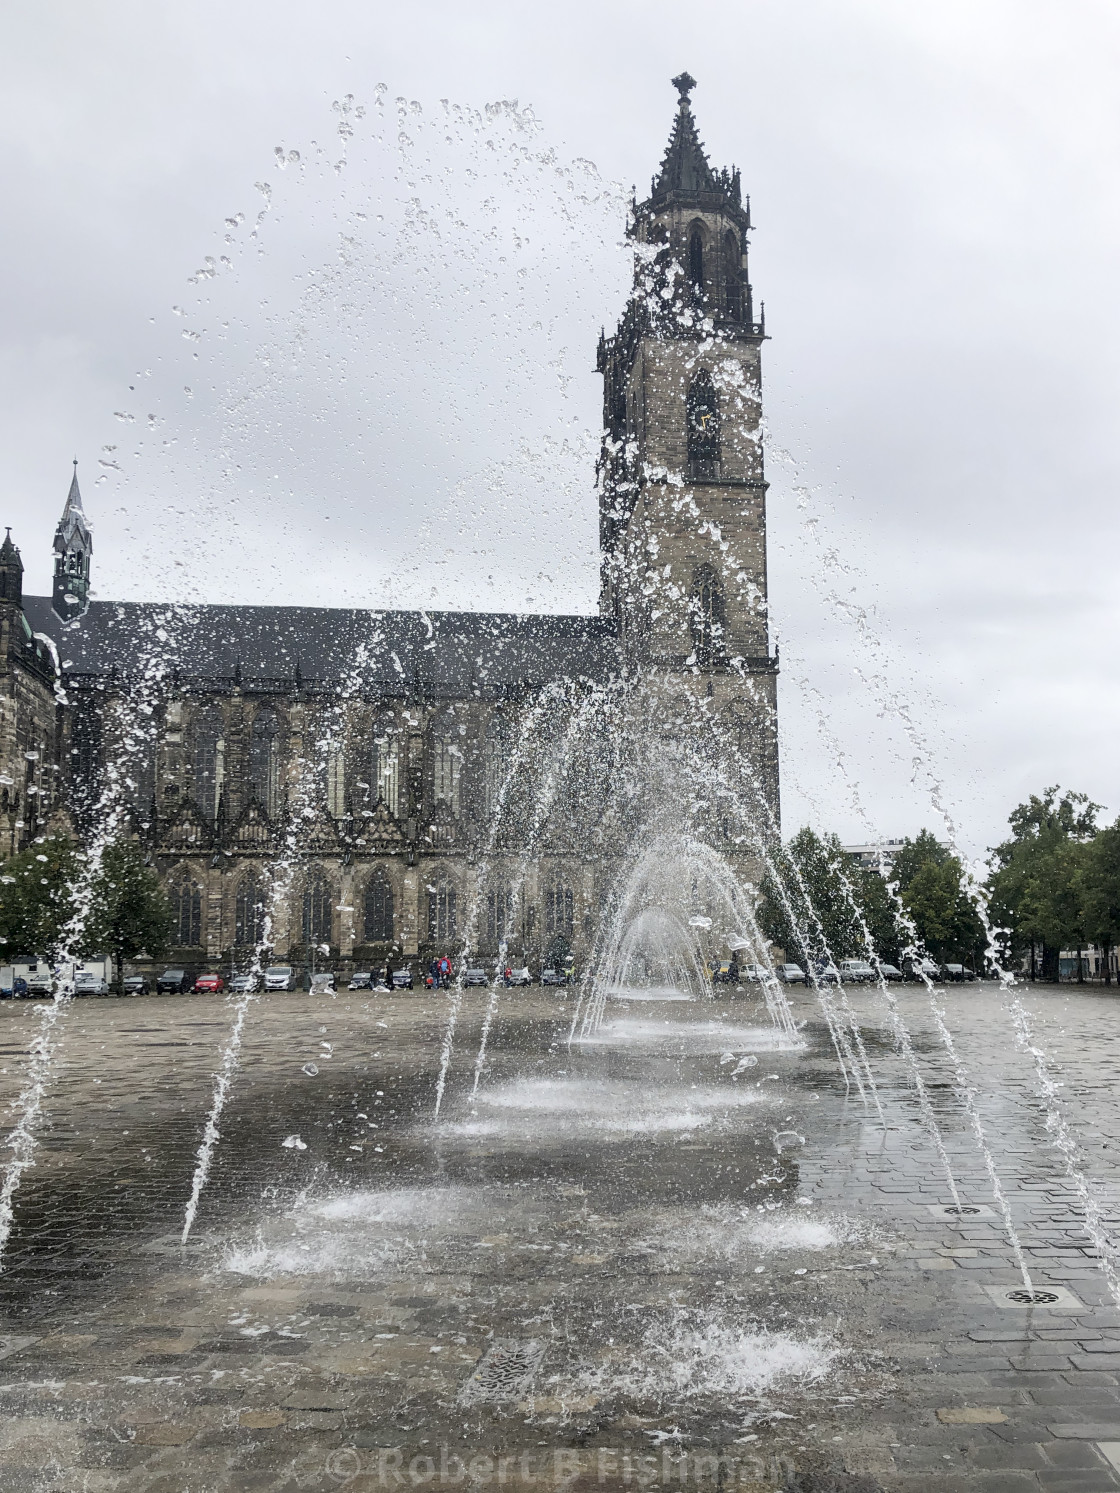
445,655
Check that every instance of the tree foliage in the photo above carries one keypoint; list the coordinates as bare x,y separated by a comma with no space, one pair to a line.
931,886
125,910
1038,883
37,899
128,912
816,902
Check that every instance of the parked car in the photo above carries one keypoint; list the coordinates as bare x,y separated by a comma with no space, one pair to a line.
957,972
280,977
890,972
175,980
754,974
137,985
551,977
520,977
361,981
827,974
475,977
40,981
915,969
791,974
402,978
856,971
239,984
87,983
322,983
209,984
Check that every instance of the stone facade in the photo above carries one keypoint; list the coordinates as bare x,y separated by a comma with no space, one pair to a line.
346,768
29,717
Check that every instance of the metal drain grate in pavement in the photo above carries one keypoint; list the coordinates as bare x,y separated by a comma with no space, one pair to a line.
969,1211
504,1371
1047,1298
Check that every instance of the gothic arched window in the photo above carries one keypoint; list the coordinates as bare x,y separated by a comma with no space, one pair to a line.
385,766
264,761
702,416
248,927
499,913
731,276
334,774
441,912
559,909
498,761
208,759
379,909
447,762
696,256
708,617
317,908
186,909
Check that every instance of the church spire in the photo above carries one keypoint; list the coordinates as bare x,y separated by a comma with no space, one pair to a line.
685,167
73,546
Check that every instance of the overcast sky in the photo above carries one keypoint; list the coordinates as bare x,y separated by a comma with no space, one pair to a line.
387,395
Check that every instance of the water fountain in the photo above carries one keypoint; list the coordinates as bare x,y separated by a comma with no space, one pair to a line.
649,1125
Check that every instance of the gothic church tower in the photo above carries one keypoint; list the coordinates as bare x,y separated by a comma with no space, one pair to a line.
73,547
682,495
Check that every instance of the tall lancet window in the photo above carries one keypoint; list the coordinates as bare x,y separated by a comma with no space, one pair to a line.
498,761
696,257
702,416
708,617
208,756
731,277
447,762
264,761
385,766
318,908
334,774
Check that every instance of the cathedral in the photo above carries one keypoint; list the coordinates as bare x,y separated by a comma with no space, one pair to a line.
370,752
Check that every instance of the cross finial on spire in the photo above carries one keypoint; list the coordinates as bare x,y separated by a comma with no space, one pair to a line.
684,83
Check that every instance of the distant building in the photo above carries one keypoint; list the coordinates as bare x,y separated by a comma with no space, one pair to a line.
877,856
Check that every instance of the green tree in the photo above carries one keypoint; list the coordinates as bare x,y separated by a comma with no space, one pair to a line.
826,893
925,850
1036,886
943,913
128,912
1100,891
37,898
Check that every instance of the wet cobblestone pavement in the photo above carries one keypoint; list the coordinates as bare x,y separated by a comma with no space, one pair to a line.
644,1262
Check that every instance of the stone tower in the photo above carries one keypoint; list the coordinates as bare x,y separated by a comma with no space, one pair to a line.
73,546
682,494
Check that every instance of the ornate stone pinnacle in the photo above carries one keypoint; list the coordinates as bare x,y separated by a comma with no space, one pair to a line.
684,83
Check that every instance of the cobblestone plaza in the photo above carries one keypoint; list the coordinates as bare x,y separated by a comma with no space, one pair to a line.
641,1261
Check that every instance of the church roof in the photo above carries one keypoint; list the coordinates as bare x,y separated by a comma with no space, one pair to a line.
435,655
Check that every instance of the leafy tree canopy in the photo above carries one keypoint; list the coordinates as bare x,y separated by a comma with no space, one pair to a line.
36,899
126,913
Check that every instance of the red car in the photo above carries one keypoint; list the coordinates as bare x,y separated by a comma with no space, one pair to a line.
209,985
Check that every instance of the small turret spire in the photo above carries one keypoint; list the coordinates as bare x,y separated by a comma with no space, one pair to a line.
73,547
